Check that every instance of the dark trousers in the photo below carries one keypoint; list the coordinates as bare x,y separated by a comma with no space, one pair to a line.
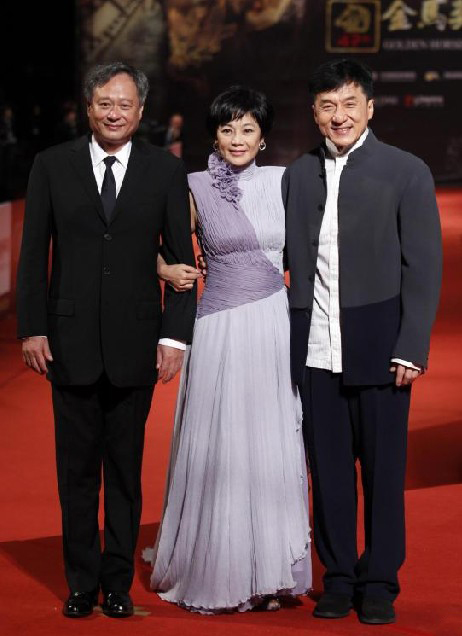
343,424
100,428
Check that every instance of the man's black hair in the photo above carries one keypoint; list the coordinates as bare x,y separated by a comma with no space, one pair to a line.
336,73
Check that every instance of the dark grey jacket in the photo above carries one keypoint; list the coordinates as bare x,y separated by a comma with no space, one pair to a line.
389,257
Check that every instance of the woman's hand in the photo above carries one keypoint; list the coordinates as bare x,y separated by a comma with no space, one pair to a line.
202,265
181,277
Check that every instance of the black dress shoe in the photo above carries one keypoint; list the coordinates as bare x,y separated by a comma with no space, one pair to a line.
80,604
333,606
376,611
117,604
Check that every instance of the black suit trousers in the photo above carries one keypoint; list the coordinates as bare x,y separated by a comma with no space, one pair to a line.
100,430
343,424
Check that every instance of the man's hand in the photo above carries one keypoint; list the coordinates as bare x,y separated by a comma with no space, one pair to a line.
36,353
404,375
169,361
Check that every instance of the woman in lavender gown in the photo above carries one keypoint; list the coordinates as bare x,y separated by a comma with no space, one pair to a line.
235,531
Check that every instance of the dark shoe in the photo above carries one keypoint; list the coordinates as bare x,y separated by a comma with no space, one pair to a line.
376,611
333,606
271,604
117,604
80,604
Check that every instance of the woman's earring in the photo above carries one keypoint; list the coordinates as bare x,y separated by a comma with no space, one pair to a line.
215,145
262,144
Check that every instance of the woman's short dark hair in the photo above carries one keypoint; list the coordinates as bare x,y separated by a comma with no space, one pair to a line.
101,74
336,73
234,103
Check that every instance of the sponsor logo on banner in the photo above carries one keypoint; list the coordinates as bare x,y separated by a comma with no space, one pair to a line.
381,101
452,75
407,77
397,76
423,101
353,26
431,76
409,101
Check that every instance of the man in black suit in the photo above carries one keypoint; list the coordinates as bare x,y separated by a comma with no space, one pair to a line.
105,202
364,252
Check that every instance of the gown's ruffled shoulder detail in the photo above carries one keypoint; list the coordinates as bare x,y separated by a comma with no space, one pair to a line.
224,178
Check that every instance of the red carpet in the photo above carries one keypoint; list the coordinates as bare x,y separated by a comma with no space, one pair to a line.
31,580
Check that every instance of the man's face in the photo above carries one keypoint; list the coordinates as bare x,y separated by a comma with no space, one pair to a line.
176,121
342,115
114,112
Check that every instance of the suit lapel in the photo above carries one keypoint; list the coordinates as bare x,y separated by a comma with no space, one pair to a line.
137,165
81,160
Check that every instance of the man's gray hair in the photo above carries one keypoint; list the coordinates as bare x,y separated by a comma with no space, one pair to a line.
101,74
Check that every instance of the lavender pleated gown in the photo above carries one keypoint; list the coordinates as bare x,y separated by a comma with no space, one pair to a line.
235,524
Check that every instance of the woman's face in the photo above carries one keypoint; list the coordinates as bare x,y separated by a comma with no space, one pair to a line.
238,140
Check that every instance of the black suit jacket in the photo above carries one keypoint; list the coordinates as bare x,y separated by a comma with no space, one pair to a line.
389,242
102,307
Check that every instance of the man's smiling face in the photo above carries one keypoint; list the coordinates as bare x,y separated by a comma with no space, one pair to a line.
342,115
114,112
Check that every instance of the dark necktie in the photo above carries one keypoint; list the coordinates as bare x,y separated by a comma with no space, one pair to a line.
108,189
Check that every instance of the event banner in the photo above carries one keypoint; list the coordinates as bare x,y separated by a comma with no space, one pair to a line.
193,49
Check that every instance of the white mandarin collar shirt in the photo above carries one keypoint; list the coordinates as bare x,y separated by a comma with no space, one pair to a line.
325,338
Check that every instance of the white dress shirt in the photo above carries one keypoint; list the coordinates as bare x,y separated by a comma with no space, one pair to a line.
119,167
325,338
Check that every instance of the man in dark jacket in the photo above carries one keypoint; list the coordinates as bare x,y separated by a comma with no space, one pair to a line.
104,202
364,252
